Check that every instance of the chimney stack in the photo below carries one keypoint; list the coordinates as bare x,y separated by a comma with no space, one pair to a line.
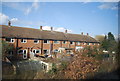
65,31
82,33
41,28
9,23
51,28
87,34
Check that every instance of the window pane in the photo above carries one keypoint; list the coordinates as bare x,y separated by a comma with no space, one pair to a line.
37,51
56,42
36,41
45,41
64,42
45,51
71,42
20,51
25,52
8,39
33,51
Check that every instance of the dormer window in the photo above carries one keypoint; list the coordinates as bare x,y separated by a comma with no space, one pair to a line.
36,41
56,42
11,40
23,40
46,41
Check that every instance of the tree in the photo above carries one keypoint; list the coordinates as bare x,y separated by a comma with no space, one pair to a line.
111,37
105,43
6,47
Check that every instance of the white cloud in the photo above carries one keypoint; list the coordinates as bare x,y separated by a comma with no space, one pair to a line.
111,6
25,8
60,29
34,6
14,20
3,18
46,28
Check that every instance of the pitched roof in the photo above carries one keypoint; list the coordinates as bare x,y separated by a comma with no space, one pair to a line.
21,32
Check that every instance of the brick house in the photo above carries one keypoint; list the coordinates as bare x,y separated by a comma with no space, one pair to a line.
41,42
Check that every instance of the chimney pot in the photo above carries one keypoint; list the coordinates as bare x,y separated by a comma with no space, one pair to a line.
65,31
41,28
82,33
9,23
87,34
51,28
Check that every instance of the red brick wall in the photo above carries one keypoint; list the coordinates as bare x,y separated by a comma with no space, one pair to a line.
30,44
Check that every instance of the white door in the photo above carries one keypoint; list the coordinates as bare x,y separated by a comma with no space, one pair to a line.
24,54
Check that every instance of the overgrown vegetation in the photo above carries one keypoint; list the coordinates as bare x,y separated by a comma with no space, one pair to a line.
6,47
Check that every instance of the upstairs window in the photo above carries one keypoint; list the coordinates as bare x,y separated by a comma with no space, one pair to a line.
56,42
23,40
88,43
64,42
46,41
11,40
36,41
78,43
84,43
71,42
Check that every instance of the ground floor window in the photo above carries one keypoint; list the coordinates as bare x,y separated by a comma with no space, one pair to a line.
36,51
56,50
22,51
68,51
45,51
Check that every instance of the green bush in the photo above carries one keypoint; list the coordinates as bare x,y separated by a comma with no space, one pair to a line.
54,69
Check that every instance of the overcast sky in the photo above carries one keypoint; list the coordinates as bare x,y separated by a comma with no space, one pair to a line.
95,18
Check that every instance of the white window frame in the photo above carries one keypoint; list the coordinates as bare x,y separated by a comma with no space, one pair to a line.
84,43
10,40
88,43
56,51
57,42
25,40
47,42
36,42
78,43
23,50
36,50
23,53
63,42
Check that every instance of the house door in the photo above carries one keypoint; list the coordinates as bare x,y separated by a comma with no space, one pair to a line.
24,54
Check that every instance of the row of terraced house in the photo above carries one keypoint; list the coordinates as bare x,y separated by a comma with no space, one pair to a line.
41,42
